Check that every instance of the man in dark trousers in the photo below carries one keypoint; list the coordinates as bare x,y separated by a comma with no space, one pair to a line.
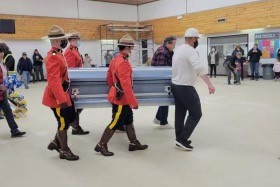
56,95
122,97
163,57
74,60
38,65
254,56
186,67
25,69
108,57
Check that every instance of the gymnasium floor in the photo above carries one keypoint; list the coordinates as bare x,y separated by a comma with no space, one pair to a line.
237,144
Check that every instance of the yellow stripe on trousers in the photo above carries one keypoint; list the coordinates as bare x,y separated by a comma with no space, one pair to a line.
115,121
62,121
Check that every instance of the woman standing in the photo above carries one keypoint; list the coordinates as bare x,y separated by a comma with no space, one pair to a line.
213,61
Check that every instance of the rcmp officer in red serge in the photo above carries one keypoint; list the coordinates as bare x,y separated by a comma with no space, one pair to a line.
74,60
121,95
56,95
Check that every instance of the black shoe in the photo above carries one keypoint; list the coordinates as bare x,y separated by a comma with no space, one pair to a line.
229,83
18,134
68,155
120,129
79,131
184,145
53,146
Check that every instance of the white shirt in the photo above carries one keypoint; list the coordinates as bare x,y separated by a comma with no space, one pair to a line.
186,66
213,59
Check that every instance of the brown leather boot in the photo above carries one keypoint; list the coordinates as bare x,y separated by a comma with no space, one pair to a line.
54,145
134,144
65,152
77,129
102,147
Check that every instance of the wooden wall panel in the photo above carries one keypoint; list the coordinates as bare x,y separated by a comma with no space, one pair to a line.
32,27
254,15
241,17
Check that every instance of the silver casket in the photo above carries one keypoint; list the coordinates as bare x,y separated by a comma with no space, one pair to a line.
151,86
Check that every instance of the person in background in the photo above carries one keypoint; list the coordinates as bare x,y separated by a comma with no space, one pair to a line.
186,67
87,61
254,56
276,68
163,57
4,104
236,65
237,49
213,61
38,65
227,67
24,68
119,76
108,58
9,62
149,62
8,57
74,60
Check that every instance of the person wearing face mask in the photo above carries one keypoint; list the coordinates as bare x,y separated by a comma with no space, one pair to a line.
213,61
4,104
38,65
163,57
56,95
122,97
74,60
186,66
254,56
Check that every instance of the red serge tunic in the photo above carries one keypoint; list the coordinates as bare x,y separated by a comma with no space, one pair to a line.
121,69
57,74
73,57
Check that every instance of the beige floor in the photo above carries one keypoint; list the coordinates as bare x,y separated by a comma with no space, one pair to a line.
237,144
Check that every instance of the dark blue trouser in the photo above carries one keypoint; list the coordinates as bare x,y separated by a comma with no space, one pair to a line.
5,106
254,69
162,115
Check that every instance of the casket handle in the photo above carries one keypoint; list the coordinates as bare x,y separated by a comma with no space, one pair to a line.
167,89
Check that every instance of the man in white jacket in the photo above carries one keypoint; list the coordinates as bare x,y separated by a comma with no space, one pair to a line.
186,68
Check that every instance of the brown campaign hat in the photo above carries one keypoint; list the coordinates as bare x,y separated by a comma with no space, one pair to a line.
74,35
56,32
126,40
